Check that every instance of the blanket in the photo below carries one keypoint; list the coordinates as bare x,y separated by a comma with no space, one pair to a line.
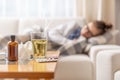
74,47
66,46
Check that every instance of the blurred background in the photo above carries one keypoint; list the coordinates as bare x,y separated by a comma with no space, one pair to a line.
107,10
89,9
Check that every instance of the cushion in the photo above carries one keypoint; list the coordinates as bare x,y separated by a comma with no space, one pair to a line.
102,39
51,22
117,75
34,28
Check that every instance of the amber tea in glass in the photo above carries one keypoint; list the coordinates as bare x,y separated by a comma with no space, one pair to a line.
39,44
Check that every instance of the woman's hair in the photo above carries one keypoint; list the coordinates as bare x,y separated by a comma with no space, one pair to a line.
102,26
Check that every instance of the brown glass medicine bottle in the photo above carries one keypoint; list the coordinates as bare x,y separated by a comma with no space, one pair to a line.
12,49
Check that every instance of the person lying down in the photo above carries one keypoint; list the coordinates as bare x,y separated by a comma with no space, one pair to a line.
69,38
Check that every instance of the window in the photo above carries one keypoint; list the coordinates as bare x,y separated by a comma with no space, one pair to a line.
37,8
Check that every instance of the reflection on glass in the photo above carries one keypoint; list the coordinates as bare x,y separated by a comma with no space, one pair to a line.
3,54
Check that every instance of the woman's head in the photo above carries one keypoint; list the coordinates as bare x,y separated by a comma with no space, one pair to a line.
95,28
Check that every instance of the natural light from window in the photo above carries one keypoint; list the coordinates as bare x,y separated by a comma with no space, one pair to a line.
37,8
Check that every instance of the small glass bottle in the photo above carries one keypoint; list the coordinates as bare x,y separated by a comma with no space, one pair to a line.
13,49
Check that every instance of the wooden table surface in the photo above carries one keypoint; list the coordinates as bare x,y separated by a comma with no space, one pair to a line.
31,70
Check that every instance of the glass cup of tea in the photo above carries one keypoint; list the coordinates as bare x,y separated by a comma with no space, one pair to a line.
39,44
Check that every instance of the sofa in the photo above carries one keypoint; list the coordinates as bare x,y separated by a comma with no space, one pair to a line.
21,26
103,64
105,59
17,26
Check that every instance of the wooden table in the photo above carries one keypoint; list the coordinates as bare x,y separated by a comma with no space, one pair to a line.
31,70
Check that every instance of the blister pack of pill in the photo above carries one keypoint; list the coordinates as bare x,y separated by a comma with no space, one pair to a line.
47,59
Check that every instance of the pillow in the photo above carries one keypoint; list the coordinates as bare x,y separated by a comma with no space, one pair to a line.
25,35
102,39
34,28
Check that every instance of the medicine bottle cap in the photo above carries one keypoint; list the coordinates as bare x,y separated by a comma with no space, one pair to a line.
12,37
